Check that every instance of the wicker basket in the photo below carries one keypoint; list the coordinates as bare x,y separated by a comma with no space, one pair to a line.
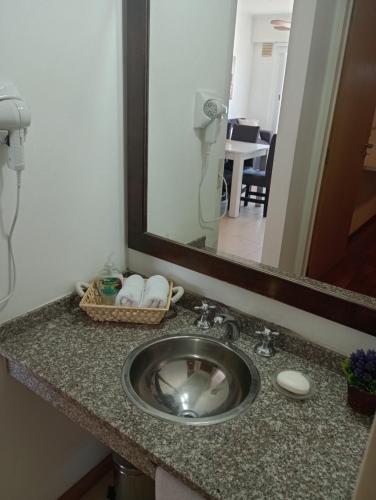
91,303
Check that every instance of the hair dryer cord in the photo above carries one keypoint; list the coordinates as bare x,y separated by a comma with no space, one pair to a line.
12,282
205,169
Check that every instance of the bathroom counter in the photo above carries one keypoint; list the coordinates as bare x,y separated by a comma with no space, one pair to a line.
278,449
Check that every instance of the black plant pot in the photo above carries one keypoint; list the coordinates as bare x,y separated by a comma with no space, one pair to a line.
361,401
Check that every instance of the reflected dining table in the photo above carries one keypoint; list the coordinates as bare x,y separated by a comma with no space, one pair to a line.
238,152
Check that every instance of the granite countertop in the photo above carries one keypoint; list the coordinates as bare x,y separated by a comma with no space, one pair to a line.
277,449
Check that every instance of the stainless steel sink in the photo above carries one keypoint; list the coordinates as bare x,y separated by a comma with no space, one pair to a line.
194,380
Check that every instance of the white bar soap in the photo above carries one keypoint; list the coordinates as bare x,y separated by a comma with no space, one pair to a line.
294,382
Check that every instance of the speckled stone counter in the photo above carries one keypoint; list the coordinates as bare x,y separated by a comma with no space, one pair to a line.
278,449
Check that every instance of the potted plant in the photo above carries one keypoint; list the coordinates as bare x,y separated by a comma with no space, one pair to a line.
360,370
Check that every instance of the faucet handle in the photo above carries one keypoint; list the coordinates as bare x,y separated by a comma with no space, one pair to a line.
204,322
267,333
265,347
204,307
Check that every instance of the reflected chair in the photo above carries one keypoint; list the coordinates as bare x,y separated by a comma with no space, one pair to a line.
244,133
261,179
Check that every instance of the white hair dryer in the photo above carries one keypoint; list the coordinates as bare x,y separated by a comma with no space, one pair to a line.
209,113
14,120
15,117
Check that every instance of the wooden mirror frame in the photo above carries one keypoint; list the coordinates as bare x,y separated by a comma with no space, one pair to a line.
289,291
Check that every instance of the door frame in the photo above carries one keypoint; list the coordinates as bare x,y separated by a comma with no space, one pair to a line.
280,51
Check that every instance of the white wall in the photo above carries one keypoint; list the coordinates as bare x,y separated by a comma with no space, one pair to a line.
190,49
264,85
254,77
264,77
314,328
65,59
239,104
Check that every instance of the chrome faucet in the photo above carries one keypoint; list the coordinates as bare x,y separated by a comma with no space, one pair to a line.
204,322
232,327
265,347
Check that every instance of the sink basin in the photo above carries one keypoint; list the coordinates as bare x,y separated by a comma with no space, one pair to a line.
194,380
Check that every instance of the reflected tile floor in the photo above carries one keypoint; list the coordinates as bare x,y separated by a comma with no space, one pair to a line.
243,236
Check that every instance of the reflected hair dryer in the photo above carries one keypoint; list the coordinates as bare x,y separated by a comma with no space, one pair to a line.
209,113
14,120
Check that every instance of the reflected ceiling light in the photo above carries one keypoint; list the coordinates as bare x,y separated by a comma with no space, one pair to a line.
280,24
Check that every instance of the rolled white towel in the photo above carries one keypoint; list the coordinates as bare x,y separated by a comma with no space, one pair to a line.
156,292
132,291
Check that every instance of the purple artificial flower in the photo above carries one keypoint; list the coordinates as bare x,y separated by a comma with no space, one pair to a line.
362,365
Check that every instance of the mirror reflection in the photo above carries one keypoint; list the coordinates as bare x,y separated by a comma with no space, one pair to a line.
253,155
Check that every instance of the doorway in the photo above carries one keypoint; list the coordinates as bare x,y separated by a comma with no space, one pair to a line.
261,42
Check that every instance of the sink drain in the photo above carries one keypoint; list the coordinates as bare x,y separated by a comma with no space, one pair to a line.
188,414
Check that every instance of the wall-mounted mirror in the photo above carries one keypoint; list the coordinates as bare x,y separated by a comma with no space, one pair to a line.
250,157
261,141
